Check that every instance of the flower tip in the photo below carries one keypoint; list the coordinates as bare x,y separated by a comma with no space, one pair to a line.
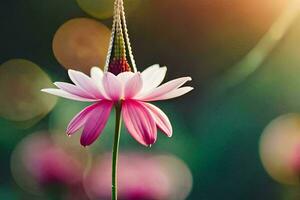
71,71
95,67
164,68
84,145
44,90
85,142
155,65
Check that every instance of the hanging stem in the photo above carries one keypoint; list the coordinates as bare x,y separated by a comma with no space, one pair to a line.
114,191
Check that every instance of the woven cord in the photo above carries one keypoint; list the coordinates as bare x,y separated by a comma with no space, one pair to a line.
123,18
112,37
119,33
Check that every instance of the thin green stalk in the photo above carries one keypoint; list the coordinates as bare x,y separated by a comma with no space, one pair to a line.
114,192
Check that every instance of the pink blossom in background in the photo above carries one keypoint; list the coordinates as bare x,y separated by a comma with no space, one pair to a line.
295,160
50,164
140,177
40,165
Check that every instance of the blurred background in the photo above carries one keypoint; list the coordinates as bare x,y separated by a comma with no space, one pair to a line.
236,136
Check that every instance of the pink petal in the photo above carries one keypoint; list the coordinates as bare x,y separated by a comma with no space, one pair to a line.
139,122
125,76
112,86
78,121
96,73
133,86
174,93
161,119
165,88
64,94
96,122
97,77
153,77
85,83
73,89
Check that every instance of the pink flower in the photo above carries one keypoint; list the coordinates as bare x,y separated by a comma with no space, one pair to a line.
131,90
133,182
49,163
295,159
141,176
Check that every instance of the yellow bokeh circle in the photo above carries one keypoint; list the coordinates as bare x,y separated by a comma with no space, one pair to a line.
20,84
81,43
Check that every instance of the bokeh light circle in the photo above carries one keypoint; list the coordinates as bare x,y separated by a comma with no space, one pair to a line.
280,149
103,9
20,84
182,182
81,43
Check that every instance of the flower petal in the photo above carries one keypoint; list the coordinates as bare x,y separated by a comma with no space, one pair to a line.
139,122
161,119
64,94
73,89
173,94
149,70
153,77
165,88
78,121
112,86
85,83
133,86
125,76
97,76
96,122
96,73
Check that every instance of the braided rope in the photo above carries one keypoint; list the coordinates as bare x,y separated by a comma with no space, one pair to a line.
119,30
119,45
113,29
131,57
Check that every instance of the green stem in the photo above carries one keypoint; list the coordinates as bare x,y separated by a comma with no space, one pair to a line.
115,153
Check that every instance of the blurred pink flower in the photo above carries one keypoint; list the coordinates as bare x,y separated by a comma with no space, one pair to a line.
49,164
295,160
42,167
131,90
139,177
